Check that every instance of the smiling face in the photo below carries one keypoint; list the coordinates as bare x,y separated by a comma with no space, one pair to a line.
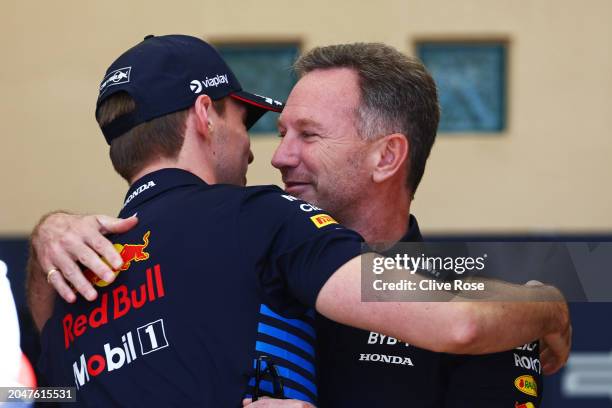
321,155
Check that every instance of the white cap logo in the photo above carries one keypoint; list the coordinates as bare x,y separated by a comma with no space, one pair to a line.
118,76
196,86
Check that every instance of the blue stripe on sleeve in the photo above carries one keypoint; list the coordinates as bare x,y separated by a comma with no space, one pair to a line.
286,355
299,324
286,337
293,376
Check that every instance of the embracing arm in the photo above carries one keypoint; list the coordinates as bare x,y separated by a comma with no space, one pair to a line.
456,326
58,242
40,294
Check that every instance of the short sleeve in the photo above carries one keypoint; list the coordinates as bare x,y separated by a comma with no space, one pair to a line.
296,246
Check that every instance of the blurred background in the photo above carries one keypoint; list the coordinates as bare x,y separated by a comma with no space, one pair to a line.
524,150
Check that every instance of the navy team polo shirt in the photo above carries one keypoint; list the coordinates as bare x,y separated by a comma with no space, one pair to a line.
214,276
358,368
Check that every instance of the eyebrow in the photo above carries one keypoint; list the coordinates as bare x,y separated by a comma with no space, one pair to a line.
302,123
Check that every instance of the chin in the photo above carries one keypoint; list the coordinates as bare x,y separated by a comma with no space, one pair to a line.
308,196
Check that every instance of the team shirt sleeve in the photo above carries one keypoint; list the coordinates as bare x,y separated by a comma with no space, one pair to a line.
296,245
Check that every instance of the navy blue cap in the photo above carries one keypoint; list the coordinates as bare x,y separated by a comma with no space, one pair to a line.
166,74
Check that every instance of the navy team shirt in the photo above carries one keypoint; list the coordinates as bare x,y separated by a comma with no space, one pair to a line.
214,276
358,368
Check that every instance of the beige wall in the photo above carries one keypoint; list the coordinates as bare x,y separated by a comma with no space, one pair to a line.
548,172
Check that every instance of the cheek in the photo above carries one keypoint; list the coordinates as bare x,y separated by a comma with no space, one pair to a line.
318,159
242,141
328,168
345,168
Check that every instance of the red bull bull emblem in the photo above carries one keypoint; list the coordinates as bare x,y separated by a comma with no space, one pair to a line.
525,405
129,253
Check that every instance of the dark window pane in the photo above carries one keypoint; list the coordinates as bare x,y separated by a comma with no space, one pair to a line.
264,69
471,80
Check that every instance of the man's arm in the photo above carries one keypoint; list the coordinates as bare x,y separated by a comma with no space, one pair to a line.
40,294
458,327
57,243
461,327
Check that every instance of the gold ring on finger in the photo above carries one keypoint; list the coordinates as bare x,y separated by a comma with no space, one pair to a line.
51,272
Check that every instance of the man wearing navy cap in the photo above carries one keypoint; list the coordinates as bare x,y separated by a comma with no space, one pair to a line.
214,288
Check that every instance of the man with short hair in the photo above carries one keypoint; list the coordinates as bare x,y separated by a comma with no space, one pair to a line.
289,283
356,133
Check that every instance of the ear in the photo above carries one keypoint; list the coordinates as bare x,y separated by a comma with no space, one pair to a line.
391,155
202,109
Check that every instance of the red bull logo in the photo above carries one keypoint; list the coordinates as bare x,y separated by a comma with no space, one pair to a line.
527,385
114,304
525,405
129,253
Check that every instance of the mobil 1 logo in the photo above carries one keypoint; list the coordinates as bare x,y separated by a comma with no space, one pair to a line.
152,337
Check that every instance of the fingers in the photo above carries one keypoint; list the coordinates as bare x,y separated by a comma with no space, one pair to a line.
62,240
59,284
84,245
57,281
112,225
102,246
73,274
548,362
543,345
89,254
556,351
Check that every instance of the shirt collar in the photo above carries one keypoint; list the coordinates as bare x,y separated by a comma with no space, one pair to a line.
155,183
414,233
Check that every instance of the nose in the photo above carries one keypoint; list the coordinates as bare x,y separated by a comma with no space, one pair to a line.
286,154
251,157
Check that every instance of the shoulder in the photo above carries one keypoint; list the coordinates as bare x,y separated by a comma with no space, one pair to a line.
274,201
270,197
271,205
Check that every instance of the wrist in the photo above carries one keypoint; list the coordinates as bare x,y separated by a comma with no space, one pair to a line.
558,310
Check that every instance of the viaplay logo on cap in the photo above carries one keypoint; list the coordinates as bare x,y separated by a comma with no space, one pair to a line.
118,76
196,86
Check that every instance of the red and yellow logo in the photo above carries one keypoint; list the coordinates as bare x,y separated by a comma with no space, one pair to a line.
527,385
322,220
525,405
129,253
